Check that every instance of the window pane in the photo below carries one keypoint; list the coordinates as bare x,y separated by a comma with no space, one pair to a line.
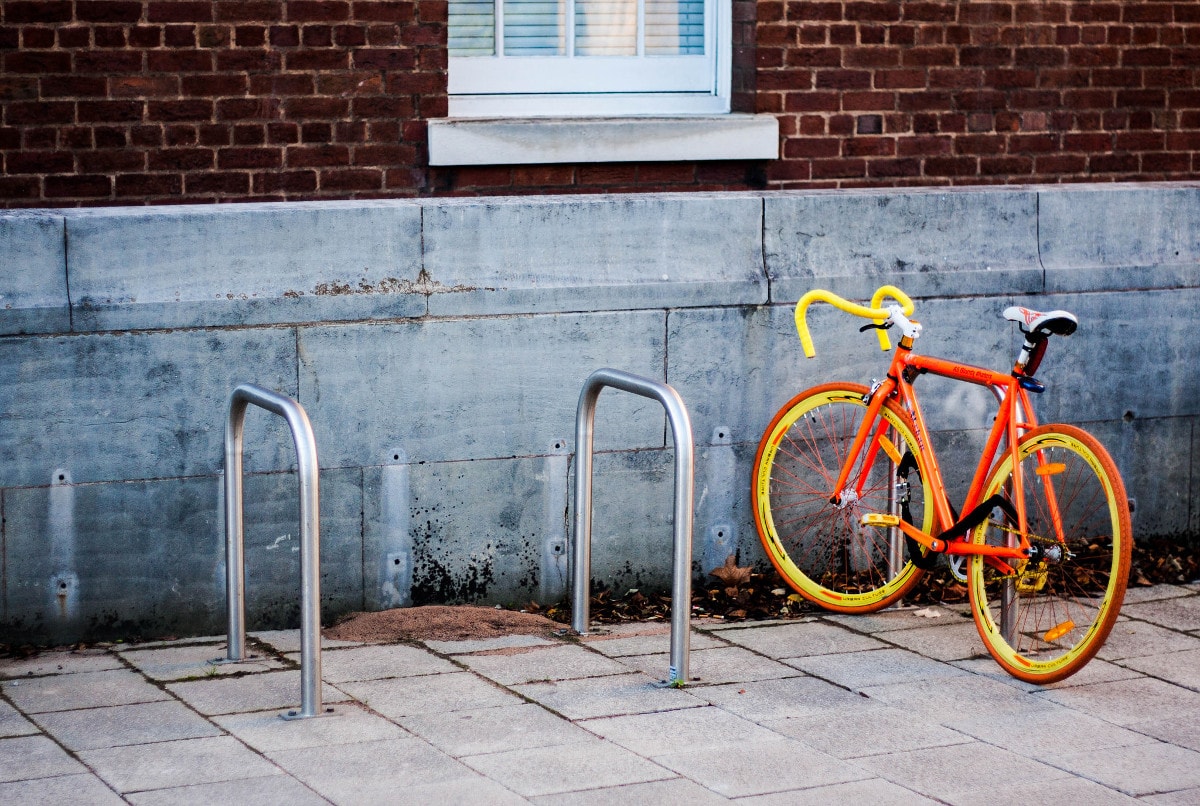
674,27
606,27
534,28
472,28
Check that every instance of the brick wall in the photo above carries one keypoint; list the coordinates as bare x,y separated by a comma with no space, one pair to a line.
156,101
958,92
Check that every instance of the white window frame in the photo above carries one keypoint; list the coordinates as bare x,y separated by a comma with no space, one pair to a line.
563,86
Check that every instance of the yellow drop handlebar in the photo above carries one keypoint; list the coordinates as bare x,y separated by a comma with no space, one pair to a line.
875,313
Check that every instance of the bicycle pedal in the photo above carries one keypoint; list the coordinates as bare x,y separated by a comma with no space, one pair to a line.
879,519
1032,581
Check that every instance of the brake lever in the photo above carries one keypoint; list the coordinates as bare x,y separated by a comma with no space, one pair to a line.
884,326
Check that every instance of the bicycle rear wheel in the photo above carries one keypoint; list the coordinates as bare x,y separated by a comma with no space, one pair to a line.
821,549
1043,618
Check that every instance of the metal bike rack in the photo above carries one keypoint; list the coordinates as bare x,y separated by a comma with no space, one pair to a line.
310,544
681,430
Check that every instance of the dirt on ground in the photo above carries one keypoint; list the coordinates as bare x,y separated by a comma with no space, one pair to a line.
439,623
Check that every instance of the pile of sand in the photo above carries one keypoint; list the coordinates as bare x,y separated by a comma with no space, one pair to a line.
439,623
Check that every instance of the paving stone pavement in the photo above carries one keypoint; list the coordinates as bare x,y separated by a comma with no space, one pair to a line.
896,707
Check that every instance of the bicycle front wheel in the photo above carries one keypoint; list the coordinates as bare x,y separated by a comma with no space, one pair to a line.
1043,618
822,549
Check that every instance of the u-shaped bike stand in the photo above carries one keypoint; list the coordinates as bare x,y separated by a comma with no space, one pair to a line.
310,541
681,431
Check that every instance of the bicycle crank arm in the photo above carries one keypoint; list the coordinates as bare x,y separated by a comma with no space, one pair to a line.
884,521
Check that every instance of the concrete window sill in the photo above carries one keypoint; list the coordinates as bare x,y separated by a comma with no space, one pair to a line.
542,141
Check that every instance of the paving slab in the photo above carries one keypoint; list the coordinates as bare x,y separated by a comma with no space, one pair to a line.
1096,671
894,618
267,731
1154,593
195,661
380,661
62,662
755,768
526,664
163,765
494,730
273,790
1046,733
764,700
12,723
255,692
870,790
442,693
1182,797
83,690
671,792
1131,639
859,670
78,788
939,772
484,644
1179,732
608,696
370,771
675,731
945,701
1180,668
863,729
1181,613
955,639
801,640
1141,769
289,640
24,757
653,643
117,725
724,664
566,768
1127,702
1046,793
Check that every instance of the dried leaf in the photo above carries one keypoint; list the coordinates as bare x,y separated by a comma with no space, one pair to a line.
730,573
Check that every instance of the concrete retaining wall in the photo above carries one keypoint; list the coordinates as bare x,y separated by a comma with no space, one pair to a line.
439,347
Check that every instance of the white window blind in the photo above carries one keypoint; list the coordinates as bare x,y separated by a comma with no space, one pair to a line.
572,47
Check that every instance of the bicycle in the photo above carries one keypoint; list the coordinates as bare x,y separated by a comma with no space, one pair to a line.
852,509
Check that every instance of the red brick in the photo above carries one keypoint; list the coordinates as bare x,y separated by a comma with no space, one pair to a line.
174,11
229,184
35,11
167,111
316,36
838,168
181,159
85,186
213,85
323,156
894,167
349,179
316,60
951,166
143,185
112,161
39,162
37,62
924,146
40,113
384,10
384,59
179,61
285,182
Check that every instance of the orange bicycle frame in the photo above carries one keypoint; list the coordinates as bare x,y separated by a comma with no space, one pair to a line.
1015,416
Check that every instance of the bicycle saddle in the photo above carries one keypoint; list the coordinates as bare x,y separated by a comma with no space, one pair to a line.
1057,323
